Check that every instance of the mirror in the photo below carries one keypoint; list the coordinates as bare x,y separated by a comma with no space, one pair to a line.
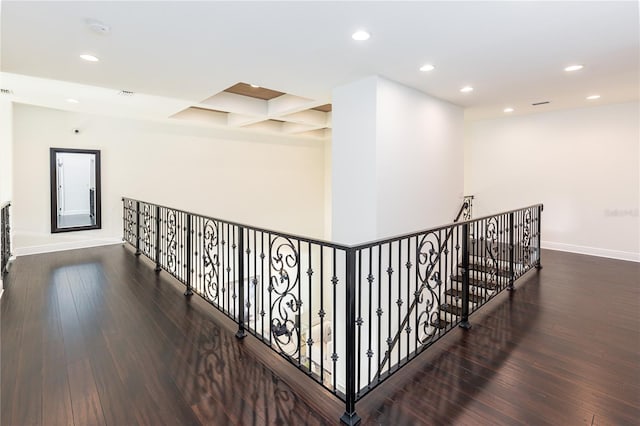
75,189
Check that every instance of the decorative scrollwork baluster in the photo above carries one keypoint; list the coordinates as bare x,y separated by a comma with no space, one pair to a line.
130,221
526,238
283,286
211,260
491,248
146,229
172,245
428,295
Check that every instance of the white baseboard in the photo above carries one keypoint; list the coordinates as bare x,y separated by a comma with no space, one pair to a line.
592,251
71,245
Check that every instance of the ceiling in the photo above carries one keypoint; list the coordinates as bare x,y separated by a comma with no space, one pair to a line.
512,53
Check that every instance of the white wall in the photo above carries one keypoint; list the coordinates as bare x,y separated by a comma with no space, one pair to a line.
267,181
419,159
6,156
6,152
353,162
397,163
583,164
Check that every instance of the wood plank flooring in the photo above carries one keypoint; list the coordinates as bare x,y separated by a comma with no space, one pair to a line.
95,337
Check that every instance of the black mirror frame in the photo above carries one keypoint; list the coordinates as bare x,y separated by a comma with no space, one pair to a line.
54,193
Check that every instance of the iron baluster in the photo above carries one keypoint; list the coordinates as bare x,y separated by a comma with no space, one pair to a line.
158,221
137,228
511,249
464,323
241,328
539,263
350,417
189,292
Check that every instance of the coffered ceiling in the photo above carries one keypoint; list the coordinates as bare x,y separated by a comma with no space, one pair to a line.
512,53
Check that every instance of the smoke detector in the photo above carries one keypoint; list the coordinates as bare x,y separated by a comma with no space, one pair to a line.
98,27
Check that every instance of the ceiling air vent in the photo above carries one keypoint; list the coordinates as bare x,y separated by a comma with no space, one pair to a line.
541,103
6,91
125,93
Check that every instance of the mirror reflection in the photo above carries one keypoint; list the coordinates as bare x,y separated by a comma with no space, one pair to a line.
75,189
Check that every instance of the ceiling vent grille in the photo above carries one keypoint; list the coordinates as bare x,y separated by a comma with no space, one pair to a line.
126,93
6,91
541,103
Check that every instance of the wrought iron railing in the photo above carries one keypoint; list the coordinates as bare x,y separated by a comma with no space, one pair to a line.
5,238
348,316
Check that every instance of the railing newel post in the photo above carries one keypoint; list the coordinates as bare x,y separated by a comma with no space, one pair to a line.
241,333
350,417
137,228
158,222
188,292
511,249
464,323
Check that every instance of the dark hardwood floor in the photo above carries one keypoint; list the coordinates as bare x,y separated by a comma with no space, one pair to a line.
95,337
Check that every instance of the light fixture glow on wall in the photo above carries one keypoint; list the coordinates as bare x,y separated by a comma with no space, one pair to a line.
73,101
427,67
361,35
466,89
574,68
593,97
89,58
508,109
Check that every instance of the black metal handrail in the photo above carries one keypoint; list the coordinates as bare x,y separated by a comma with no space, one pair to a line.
348,316
465,211
454,270
5,238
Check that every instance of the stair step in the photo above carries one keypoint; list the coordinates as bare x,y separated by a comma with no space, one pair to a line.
501,250
473,298
475,282
451,309
479,291
482,261
452,300
488,269
440,324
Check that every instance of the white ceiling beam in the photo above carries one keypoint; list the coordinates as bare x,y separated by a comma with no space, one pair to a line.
202,116
240,120
294,128
310,117
236,103
287,104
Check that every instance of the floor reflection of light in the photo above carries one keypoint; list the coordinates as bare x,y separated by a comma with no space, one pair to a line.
79,287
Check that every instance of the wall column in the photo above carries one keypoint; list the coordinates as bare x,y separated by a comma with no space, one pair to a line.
397,160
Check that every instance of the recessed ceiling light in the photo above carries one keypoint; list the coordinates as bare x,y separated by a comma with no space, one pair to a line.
593,97
361,35
508,110
73,101
427,67
466,89
255,86
89,58
574,67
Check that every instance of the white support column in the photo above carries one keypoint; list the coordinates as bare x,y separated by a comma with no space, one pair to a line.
397,160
